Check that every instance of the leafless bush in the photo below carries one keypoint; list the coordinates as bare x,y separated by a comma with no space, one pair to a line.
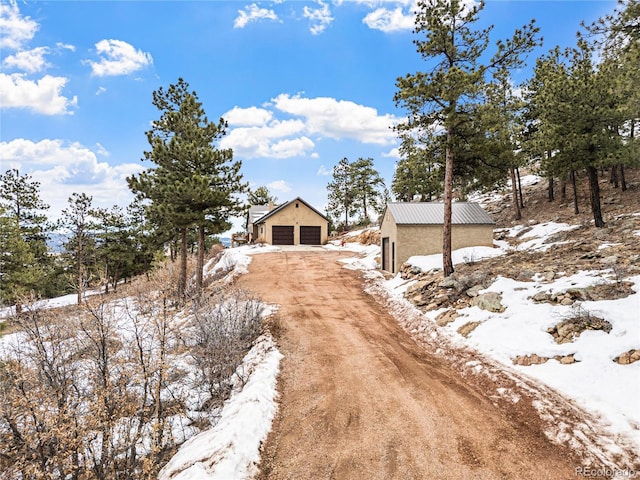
225,325
101,391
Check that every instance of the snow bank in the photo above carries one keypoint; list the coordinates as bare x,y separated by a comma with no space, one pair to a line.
236,261
462,255
601,386
231,449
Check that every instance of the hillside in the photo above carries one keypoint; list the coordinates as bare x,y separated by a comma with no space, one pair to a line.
556,301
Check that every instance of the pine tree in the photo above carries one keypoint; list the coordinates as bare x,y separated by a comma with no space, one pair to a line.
340,192
367,186
24,261
443,99
194,184
419,173
80,247
261,196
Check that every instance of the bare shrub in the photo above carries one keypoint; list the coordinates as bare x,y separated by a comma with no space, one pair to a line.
224,327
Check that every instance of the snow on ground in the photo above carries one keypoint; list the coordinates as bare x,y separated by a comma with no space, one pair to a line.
601,386
235,261
63,301
231,449
463,255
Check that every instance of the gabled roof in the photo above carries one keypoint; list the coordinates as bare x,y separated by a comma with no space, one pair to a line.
283,206
432,213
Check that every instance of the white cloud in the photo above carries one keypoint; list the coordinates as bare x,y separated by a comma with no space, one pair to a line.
63,168
248,117
338,119
118,58
30,61
268,140
65,46
390,20
259,133
15,30
42,96
279,186
323,171
320,17
253,13
101,90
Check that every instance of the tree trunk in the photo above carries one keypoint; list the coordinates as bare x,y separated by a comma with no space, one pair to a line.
594,189
550,189
200,264
520,188
572,175
79,267
182,280
614,176
514,195
563,188
447,262
623,180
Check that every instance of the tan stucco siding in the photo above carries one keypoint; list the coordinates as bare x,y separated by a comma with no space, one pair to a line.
296,217
413,240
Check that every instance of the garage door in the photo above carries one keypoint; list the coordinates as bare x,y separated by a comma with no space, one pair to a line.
310,235
282,235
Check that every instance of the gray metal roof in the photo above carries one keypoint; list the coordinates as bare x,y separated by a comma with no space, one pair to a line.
432,213
256,212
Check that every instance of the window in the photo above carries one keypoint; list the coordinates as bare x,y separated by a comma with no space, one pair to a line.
297,205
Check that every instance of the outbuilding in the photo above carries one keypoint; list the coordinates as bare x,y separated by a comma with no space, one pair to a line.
293,223
409,229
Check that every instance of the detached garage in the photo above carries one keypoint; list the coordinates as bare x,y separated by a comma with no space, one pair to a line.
410,229
293,223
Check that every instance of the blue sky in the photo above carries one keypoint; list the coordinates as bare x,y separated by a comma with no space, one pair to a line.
302,84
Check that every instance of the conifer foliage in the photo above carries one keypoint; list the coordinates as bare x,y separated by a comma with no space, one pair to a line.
443,101
194,183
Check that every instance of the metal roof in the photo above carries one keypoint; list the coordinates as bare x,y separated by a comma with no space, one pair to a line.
256,212
432,213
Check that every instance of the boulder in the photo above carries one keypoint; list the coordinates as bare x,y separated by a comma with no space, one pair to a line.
490,301
473,291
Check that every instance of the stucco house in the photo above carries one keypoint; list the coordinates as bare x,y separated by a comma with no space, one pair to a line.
409,229
293,223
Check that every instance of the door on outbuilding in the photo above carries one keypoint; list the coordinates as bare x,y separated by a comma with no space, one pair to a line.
282,235
310,235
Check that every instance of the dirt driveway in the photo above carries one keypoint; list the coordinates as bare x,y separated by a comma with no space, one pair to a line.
361,400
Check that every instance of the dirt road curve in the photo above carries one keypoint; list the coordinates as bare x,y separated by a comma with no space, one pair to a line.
361,400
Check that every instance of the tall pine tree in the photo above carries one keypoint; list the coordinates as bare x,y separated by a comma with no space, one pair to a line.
194,184
442,100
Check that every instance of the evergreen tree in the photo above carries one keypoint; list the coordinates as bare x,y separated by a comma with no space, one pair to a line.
261,196
578,110
115,247
341,195
418,174
194,184
80,247
502,117
24,262
367,187
443,100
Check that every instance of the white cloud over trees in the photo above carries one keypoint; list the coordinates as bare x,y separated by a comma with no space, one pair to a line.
265,133
118,58
64,167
